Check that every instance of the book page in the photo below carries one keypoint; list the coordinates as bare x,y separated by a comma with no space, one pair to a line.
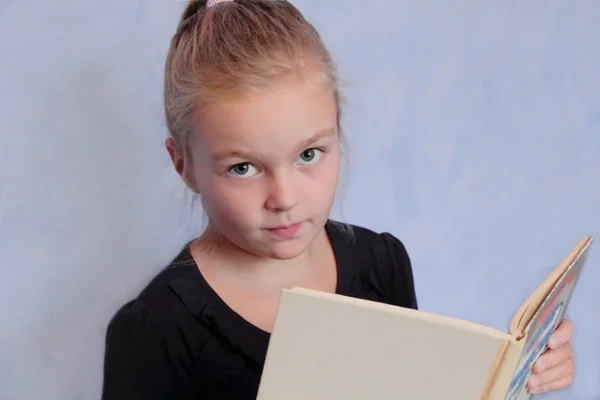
525,313
543,324
326,347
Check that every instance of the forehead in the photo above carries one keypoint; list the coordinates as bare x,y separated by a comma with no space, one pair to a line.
276,119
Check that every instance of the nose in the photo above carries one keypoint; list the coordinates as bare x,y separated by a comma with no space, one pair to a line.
281,194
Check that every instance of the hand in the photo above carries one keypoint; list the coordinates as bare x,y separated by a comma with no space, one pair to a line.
555,369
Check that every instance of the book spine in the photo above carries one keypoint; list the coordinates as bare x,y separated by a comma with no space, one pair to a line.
503,370
493,375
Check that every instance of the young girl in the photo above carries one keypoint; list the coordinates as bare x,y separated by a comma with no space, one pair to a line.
253,110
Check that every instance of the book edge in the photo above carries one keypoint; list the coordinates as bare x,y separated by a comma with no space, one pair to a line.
452,322
529,307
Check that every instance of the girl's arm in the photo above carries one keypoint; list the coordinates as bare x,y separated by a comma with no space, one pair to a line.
398,270
144,359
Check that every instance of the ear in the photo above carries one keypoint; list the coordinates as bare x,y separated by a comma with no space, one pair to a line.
179,162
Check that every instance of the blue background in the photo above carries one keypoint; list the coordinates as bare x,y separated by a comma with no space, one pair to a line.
474,129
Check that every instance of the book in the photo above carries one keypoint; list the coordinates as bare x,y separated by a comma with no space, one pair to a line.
328,346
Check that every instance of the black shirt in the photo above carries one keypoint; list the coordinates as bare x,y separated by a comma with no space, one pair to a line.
179,340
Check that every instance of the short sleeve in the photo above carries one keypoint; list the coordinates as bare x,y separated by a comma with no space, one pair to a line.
401,284
142,360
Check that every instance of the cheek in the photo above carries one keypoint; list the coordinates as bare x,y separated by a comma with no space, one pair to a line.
324,183
332,168
229,201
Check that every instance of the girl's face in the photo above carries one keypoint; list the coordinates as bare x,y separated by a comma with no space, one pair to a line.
267,168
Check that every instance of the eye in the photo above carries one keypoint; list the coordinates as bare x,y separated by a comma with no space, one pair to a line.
243,170
310,156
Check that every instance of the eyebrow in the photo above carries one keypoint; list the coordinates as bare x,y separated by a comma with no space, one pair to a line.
323,133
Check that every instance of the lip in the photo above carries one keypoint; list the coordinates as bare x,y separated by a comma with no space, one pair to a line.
283,227
286,231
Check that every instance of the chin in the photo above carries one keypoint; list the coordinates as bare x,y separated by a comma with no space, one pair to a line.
285,251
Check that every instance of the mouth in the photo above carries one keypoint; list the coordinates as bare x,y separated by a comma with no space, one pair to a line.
286,230
283,227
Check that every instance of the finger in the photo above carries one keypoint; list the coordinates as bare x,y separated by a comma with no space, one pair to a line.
562,334
556,378
552,358
556,373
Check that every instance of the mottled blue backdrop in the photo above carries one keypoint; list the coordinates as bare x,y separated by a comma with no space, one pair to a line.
475,137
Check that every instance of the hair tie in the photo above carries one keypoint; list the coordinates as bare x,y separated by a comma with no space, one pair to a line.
212,3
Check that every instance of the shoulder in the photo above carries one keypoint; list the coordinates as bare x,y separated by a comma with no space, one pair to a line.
160,299
151,333
365,238
173,298
379,257
364,242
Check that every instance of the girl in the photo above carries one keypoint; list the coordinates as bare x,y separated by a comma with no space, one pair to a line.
253,110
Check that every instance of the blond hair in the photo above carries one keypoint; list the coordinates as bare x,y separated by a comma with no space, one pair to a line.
237,48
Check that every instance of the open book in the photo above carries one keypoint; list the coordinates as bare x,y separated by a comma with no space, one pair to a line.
327,346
